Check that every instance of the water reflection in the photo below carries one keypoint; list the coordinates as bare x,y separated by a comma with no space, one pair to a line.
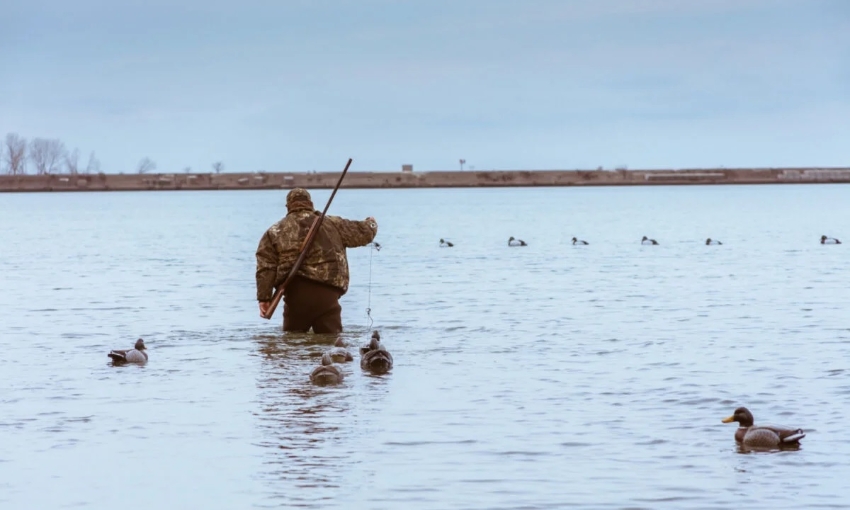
304,428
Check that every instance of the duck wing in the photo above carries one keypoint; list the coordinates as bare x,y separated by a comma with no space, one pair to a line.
118,354
772,436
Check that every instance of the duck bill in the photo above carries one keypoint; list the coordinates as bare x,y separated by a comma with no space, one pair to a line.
730,419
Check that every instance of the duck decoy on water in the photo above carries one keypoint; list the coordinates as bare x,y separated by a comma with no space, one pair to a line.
829,240
138,354
762,436
647,240
445,244
326,373
516,242
339,354
374,357
579,242
712,242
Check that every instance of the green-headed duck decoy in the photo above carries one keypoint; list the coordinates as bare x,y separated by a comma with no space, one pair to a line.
326,373
579,242
138,354
516,242
829,240
762,436
374,357
647,240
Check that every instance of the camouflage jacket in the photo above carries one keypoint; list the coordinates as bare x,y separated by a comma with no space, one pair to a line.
325,262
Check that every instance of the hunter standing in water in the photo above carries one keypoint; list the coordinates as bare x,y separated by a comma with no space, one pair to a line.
312,297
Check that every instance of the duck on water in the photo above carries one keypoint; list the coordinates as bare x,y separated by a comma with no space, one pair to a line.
829,240
712,242
138,354
375,357
762,436
445,244
326,373
516,242
648,241
339,354
579,242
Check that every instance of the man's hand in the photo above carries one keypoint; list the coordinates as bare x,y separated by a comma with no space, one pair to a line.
264,308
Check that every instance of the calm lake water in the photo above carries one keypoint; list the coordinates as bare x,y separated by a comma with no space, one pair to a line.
549,376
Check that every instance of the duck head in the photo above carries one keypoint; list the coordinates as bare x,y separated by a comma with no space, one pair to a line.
339,342
822,238
375,342
574,239
326,359
742,415
140,345
645,238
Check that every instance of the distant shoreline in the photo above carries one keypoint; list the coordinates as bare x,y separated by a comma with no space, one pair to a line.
436,179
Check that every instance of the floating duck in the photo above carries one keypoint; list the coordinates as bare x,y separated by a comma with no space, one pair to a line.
516,242
647,240
829,240
326,373
339,354
579,242
712,242
762,436
445,244
135,355
374,357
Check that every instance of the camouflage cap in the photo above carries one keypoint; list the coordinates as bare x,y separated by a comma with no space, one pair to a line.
299,196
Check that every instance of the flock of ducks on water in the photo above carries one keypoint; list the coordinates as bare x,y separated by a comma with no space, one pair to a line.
512,241
375,358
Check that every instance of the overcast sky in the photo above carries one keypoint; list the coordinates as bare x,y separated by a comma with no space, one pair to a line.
524,84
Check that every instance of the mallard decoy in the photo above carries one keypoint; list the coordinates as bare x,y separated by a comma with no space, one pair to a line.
326,373
712,242
516,242
137,354
829,240
647,240
579,242
374,357
339,354
762,436
445,244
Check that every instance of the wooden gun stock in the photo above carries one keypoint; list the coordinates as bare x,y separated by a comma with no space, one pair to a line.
305,247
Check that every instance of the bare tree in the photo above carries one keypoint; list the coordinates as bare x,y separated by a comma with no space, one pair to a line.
72,161
15,154
462,162
93,166
146,165
218,166
46,155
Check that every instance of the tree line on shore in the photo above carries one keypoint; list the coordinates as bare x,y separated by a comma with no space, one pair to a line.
47,156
